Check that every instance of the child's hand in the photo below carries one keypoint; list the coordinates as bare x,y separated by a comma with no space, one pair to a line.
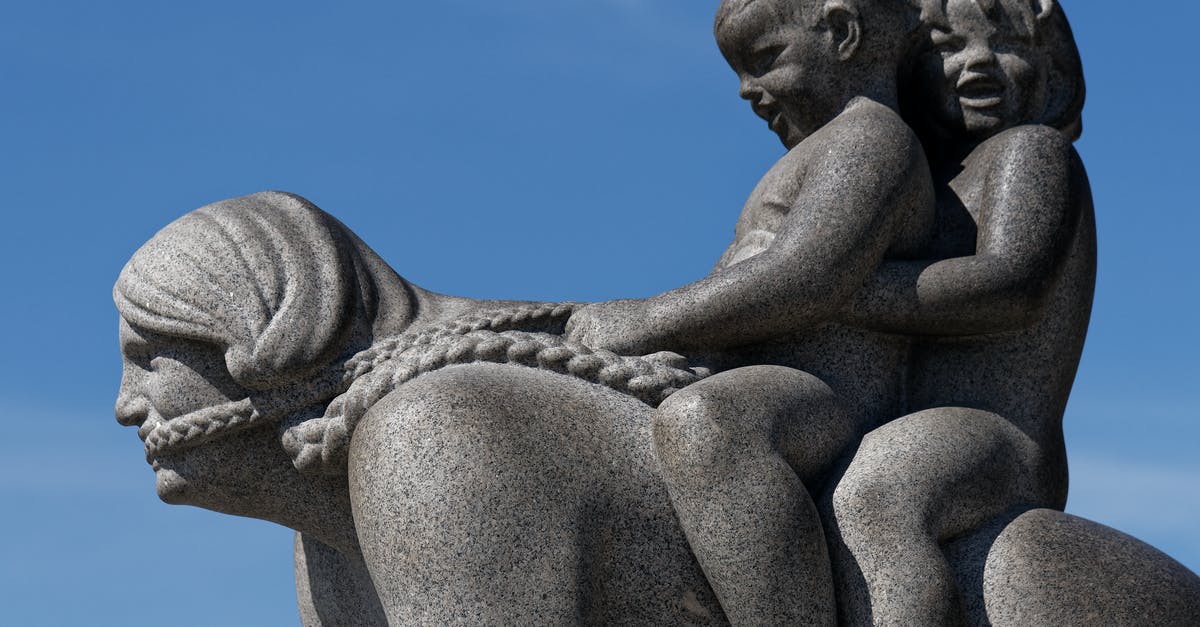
620,326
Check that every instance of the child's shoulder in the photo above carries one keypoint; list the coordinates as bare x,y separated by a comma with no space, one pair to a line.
864,115
1029,143
873,130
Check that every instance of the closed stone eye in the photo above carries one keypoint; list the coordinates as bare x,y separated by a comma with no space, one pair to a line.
763,60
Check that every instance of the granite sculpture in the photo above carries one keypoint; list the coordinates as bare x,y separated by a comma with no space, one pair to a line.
854,418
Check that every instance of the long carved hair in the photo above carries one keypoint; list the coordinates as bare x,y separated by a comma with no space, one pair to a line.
272,280
290,294
281,287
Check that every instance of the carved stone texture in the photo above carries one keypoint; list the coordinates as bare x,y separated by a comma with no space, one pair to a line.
855,417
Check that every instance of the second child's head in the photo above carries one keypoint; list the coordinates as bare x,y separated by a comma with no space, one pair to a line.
800,62
989,65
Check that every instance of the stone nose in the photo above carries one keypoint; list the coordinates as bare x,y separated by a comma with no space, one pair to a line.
132,408
748,89
131,411
978,56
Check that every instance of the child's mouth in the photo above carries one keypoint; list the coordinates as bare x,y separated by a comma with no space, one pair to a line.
980,92
773,117
777,123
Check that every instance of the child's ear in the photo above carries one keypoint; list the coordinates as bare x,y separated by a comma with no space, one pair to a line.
932,14
1043,8
845,26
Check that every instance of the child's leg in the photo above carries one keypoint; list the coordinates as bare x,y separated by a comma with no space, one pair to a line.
913,483
726,446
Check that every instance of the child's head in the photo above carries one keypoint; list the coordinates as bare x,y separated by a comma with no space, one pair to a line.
990,65
801,61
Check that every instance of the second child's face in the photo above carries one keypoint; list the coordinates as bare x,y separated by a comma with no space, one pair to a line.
980,75
779,67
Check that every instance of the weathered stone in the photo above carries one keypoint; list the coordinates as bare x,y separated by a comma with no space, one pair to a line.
855,418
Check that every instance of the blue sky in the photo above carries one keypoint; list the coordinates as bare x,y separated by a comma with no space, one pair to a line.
539,149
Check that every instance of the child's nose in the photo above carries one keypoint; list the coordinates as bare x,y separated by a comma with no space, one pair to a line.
978,55
749,90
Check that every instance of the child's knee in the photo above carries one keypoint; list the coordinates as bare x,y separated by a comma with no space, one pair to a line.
688,436
875,505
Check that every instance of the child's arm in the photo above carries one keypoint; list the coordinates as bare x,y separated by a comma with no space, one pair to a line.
864,178
1034,193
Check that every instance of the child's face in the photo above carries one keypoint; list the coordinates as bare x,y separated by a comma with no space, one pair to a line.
981,75
781,67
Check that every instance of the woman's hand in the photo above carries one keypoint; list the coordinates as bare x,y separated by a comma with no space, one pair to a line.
621,326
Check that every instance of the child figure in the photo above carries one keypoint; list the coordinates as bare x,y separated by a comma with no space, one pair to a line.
741,450
1003,311
1000,319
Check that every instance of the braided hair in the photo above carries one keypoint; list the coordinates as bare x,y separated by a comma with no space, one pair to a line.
524,335
288,294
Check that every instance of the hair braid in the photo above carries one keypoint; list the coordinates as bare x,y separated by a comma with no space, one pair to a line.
524,335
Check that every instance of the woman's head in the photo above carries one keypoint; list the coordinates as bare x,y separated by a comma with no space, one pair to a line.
240,314
989,65
274,282
237,316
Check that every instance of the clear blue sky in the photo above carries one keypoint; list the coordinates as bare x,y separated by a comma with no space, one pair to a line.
540,149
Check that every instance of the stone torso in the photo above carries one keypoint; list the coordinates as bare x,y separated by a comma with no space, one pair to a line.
775,197
865,367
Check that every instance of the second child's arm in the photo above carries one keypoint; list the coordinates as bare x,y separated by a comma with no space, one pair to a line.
1035,190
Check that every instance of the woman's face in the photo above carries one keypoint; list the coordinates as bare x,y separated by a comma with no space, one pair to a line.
981,76
165,378
170,389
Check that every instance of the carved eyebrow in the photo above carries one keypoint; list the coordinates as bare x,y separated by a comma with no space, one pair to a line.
136,347
937,36
939,39
769,51
765,44
140,342
139,353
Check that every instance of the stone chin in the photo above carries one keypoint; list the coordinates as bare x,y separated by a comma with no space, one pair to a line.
226,474
182,474
180,480
172,488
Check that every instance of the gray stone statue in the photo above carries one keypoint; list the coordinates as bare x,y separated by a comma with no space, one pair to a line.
855,418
